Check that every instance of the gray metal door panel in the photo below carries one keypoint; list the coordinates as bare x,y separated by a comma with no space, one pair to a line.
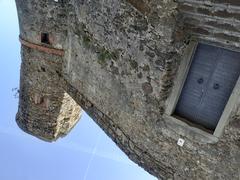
221,84
198,76
211,79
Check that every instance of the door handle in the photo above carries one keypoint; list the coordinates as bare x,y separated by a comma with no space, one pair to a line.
216,86
200,80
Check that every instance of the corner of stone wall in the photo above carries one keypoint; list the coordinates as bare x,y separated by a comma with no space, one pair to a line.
45,109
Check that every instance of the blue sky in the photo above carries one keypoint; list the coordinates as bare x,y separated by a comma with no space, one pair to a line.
85,154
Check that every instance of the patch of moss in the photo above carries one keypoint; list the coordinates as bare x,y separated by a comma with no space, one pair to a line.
86,37
103,56
86,41
89,42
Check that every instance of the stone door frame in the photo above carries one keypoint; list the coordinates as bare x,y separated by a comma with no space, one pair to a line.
184,128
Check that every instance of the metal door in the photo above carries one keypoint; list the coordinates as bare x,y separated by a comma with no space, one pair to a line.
210,81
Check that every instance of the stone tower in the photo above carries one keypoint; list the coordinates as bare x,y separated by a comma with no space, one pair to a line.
45,109
125,62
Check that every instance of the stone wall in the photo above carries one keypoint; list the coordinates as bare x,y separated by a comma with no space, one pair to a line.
120,63
45,16
134,151
45,110
212,20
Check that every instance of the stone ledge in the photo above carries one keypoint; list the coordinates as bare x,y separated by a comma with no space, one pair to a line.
45,49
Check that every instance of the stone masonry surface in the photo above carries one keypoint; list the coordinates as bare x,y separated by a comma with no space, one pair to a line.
119,64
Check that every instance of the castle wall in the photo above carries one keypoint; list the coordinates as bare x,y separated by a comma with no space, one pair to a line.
213,20
45,16
45,109
120,63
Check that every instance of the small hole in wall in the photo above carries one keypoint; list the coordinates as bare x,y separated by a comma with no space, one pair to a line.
45,38
43,69
59,74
